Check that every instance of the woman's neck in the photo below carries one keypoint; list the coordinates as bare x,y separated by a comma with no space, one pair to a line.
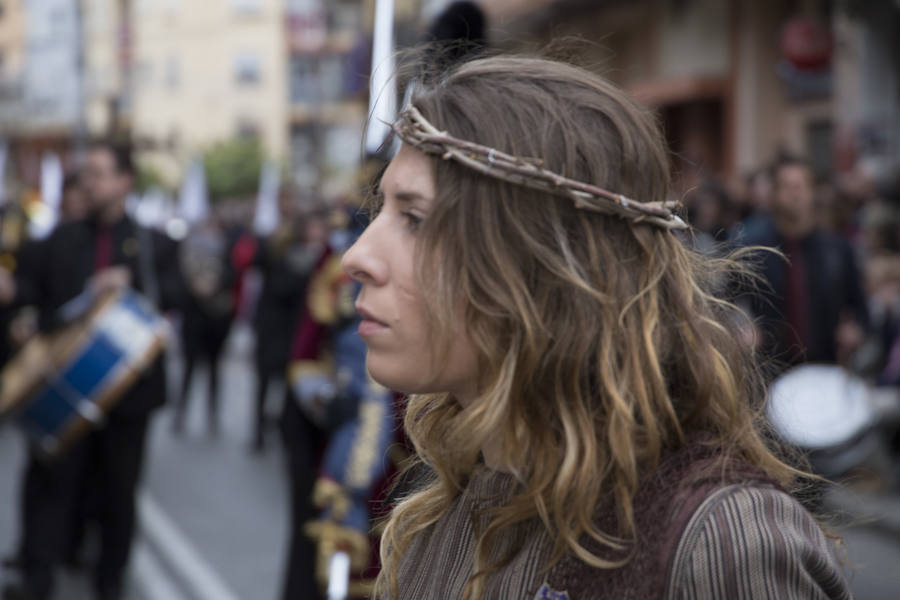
492,451
492,448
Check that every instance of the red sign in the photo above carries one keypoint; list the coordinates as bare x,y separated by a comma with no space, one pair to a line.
807,43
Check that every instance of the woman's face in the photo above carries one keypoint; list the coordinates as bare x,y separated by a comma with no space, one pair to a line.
401,352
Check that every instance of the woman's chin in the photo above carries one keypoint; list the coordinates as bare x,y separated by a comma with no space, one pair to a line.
393,376
383,374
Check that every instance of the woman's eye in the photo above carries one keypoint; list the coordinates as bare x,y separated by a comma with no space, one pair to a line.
413,221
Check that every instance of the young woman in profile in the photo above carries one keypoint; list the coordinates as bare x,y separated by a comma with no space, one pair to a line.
586,415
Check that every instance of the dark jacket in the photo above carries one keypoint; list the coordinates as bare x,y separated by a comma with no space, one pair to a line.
285,273
833,288
64,262
206,320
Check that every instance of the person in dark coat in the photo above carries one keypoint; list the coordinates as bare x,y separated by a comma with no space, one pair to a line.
104,252
73,207
334,422
284,260
812,308
207,312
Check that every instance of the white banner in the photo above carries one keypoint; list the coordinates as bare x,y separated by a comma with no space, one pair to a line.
193,201
382,86
51,74
266,218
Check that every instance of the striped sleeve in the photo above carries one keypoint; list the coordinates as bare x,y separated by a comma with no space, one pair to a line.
754,542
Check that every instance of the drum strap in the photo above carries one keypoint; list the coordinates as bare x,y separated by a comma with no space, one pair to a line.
145,257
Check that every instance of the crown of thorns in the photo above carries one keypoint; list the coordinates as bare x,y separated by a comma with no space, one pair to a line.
416,130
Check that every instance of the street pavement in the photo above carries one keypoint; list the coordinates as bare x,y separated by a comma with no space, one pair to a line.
871,535
229,503
214,519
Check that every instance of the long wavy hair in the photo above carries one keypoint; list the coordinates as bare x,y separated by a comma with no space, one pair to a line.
601,343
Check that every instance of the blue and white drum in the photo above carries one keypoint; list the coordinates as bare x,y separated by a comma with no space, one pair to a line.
826,411
62,385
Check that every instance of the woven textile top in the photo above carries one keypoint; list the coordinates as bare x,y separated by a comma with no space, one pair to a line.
417,131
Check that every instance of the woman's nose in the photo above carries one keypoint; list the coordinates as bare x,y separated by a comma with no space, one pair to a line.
362,261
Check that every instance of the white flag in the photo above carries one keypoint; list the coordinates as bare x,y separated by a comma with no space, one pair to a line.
382,86
266,218
193,201
45,215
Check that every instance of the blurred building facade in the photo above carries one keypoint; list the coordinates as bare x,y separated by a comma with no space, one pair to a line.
736,81
205,72
63,68
40,85
12,59
40,64
177,77
328,46
107,59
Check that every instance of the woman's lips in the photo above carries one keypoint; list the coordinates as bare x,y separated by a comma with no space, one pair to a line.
369,325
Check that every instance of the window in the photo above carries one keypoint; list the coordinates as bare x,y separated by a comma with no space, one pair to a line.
304,79
247,69
331,77
323,78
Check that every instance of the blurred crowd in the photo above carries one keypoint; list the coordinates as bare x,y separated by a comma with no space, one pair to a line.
86,453
833,295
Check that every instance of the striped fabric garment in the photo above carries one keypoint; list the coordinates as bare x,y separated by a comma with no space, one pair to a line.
754,542
743,542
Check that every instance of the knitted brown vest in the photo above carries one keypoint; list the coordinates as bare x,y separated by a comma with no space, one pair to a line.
663,506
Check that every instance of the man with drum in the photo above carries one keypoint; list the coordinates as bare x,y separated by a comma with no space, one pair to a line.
88,259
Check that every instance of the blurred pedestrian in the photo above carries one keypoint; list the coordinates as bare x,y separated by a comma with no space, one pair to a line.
757,222
336,424
285,260
836,214
812,308
207,313
74,204
457,34
102,253
14,250
707,206
578,397
18,321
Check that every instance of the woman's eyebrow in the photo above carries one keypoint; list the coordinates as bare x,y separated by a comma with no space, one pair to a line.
409,197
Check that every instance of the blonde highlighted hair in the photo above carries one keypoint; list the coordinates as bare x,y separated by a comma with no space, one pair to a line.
600,342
